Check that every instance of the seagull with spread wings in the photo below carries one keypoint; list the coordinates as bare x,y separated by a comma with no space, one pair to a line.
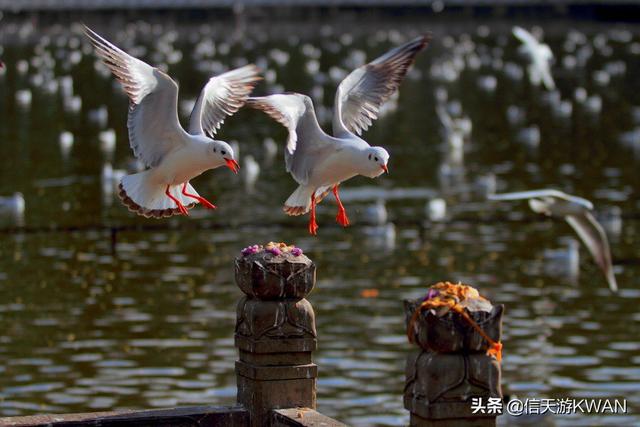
539,54
320,162
172,155
577,212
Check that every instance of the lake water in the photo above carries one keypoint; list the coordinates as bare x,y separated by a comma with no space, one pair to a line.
147,322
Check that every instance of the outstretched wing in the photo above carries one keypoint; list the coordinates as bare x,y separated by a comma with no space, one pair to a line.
520,195
525,36
307,144
595,239
154,129
445,119
222,96
545,74
362,92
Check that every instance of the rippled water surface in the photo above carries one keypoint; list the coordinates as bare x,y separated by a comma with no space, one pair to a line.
100,309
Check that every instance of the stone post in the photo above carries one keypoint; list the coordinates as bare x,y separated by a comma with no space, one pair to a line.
275,332
451,367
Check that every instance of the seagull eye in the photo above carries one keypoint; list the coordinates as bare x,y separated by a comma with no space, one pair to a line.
223,152
376,159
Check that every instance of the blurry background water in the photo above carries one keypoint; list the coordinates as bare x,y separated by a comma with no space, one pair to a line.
146,320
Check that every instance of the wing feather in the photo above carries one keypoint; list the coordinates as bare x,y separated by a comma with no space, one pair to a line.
525,37
222,96
362,93
520,195
595,239
154,129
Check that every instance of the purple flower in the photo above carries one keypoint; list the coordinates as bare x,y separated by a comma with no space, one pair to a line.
249,250
275,250
296,251
432,293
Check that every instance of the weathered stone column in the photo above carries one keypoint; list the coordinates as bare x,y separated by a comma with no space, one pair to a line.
451,380
275,331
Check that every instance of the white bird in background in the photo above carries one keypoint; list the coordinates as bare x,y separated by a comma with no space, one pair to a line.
173,156
453,128
270,150
436,210
539,54
320,162
65,139
13,206
563,261
577,212
250,173
376,214
107,142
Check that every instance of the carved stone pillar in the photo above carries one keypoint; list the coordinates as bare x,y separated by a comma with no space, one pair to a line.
451,369
275,331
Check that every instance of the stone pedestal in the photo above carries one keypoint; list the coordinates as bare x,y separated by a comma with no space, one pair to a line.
451,368
275,334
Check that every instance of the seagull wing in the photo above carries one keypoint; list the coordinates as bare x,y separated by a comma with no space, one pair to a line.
525,37
445,119
520,195
222,96
154,129
362,93
307,144
545,74
595,239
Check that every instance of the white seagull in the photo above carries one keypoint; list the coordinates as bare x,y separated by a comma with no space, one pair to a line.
539,54
320,162
577,212
172,155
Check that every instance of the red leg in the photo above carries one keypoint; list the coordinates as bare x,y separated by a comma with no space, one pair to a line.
313,226
342,213
202,200
181,207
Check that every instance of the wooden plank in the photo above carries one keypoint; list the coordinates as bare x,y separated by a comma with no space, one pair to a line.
202,416
301,417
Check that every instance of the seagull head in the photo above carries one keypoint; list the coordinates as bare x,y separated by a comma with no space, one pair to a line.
223,155
376,162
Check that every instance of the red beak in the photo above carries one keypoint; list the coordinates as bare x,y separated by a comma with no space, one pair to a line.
232,164
385,168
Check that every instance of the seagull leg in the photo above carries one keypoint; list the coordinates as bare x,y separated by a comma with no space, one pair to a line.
342,213
313,226
202,200
181,207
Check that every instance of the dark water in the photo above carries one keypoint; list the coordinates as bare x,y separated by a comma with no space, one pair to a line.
151,325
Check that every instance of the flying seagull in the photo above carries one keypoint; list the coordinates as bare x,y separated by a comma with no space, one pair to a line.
320,162
577,212
539,54
172,155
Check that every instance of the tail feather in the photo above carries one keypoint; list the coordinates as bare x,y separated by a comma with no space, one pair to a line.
299,202
148,199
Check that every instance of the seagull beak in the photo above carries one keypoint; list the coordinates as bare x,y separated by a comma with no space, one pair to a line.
385,168
232,164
